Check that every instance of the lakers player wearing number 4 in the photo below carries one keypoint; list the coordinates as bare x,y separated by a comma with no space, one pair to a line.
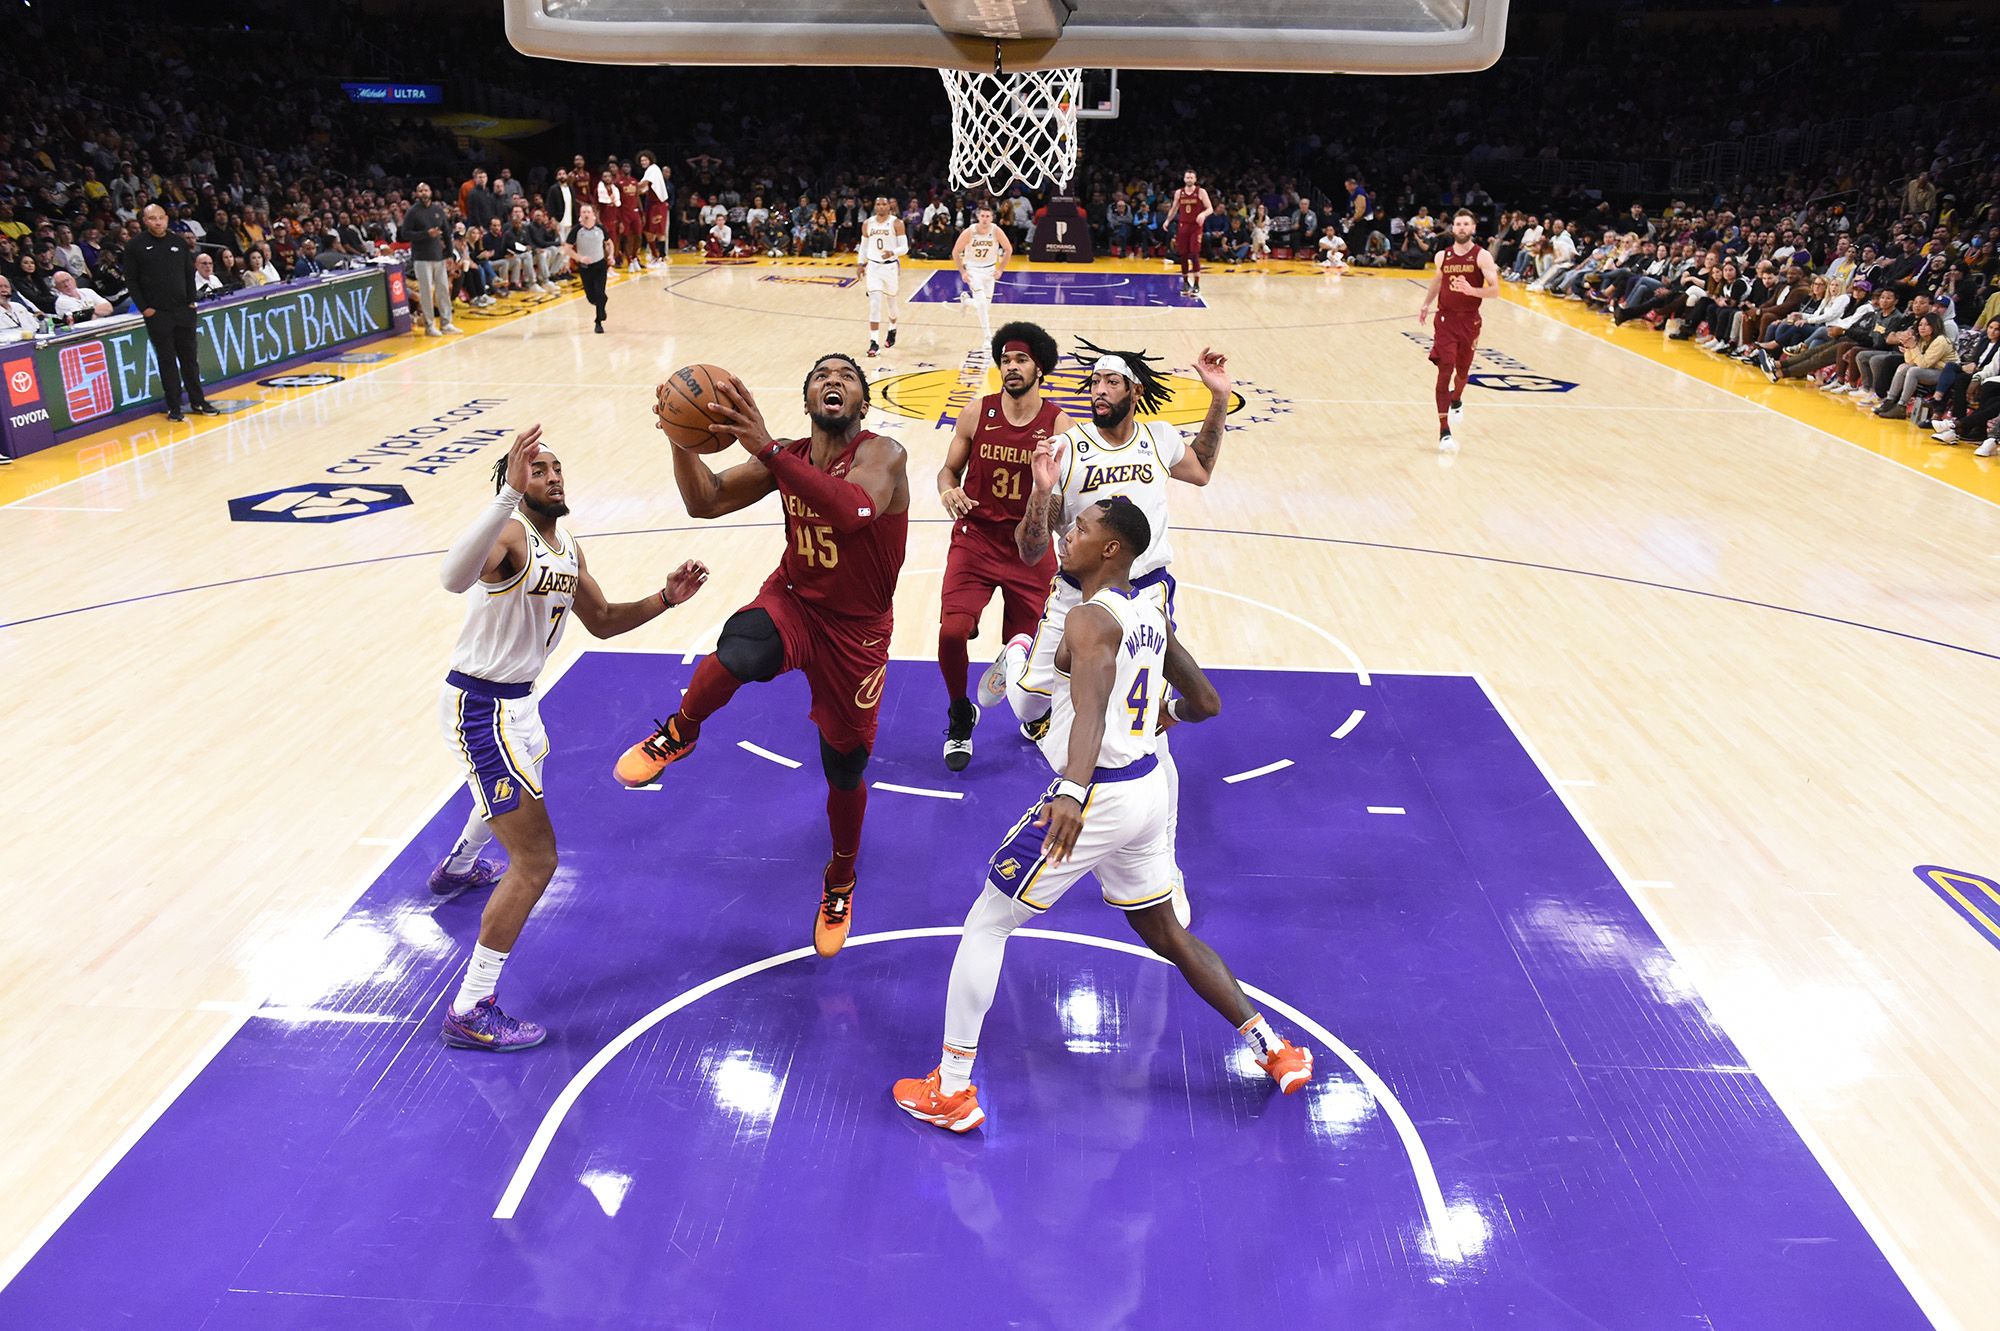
1105,814
884,242
524,577
984,484
1116,453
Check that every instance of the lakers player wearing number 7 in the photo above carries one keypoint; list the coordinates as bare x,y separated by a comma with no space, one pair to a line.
1105,814
523,576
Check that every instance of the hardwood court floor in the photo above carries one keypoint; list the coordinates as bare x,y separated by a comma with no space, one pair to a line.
1754,656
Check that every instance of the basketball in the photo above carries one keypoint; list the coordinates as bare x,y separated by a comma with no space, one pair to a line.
683,408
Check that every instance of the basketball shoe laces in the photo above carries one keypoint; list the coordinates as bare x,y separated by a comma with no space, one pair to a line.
834,902
664,743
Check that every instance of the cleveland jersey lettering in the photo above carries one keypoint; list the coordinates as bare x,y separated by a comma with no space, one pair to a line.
851,574
1451,264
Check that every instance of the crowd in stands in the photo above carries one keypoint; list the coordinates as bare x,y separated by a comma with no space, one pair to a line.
1871,273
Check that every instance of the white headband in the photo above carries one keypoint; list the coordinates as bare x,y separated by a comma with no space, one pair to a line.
1114,364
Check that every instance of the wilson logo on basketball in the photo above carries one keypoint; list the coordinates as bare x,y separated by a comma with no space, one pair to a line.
870,691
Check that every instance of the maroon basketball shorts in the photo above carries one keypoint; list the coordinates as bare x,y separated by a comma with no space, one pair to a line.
844,661
982,560
1454,341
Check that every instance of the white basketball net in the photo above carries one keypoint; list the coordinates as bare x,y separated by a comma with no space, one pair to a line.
1008,128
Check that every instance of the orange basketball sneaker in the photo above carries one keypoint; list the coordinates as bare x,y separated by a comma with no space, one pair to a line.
642,764
1289,1066
836,913
923,1098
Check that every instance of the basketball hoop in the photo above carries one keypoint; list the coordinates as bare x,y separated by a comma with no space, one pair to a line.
1009,128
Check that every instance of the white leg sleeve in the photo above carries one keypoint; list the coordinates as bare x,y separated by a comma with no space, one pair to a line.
975,971
874,308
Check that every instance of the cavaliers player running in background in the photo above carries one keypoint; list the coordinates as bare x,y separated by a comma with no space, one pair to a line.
1466,275
827,610
985,483
523,576
1106,813
1191,210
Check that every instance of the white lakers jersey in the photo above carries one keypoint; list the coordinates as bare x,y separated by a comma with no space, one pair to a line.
1137,469
878,240
512,627
983,249
1132,713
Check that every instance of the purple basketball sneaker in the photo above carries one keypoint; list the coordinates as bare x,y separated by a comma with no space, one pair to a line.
487,1027
446,884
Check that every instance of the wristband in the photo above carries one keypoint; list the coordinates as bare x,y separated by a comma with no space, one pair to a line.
1174,709
665,603
771,452
1072,790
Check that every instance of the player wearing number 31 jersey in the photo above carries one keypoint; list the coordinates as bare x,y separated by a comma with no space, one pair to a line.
985,483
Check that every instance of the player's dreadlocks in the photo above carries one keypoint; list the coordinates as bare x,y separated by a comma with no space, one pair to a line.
499,472
1149,385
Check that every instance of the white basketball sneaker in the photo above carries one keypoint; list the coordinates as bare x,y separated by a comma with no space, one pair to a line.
993,684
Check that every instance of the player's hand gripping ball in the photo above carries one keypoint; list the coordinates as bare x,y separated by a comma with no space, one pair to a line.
681,407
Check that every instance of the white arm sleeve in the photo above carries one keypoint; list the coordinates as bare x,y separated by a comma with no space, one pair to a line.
902,243
467,556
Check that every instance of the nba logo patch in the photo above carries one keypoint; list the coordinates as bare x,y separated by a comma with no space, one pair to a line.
86,377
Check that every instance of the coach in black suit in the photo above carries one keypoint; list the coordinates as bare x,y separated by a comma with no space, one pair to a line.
159,271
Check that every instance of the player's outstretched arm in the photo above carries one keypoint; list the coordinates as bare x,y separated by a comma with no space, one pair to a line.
957,456
708,494
1031,533
493,546
1198,699
1197,465
607,620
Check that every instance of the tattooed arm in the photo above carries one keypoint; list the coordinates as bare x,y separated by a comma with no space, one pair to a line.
1197,466
1031,534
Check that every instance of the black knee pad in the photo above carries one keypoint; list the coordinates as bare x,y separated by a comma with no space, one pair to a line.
750,647
964,627
843,770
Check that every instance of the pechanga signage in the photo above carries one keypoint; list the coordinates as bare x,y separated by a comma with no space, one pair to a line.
86,378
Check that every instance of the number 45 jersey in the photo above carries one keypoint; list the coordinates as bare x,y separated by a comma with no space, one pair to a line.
851,576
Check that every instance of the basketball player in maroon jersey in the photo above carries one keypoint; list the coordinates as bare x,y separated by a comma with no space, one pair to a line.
1191,210
985,483
1455,335
827,610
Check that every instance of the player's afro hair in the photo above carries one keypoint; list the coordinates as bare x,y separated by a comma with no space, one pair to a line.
1042,348
1152,386
1129,521
805,387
